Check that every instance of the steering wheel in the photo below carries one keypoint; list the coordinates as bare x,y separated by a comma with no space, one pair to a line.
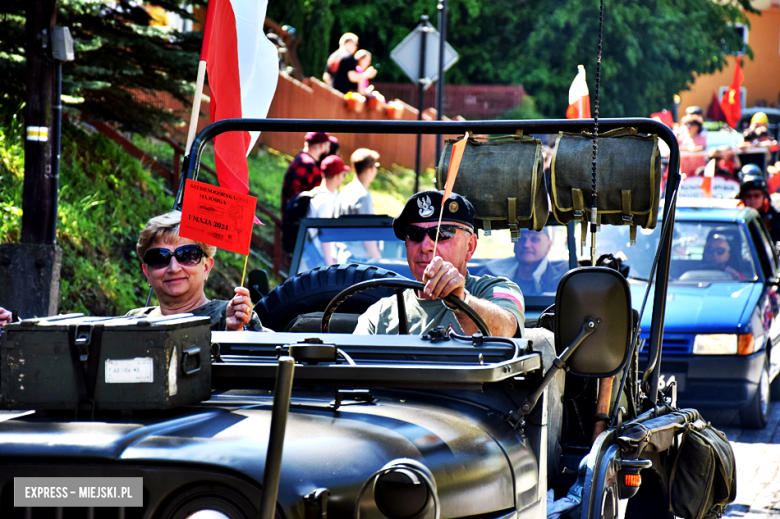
399,285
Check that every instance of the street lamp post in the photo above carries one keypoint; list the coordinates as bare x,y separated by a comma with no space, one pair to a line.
442,8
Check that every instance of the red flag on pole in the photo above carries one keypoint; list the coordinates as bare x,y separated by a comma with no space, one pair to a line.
243,70
731,103
579,97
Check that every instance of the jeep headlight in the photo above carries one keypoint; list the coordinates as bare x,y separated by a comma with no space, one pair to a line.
715,344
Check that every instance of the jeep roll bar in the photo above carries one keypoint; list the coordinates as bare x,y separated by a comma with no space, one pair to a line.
191,166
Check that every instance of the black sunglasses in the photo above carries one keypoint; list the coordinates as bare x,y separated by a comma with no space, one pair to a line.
417,234
187,255
716,250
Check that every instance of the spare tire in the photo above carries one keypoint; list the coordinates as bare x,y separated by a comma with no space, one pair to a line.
312,291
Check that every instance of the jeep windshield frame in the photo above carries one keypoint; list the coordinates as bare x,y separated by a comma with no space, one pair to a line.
191,167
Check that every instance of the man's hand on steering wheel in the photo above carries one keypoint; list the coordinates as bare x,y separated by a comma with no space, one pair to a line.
442,278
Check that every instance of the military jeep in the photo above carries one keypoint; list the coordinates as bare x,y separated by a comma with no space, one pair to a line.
307,424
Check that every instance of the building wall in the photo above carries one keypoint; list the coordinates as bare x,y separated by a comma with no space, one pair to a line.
762,73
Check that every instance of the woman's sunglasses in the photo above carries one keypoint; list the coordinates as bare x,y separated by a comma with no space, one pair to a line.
417,234
716,250
187,255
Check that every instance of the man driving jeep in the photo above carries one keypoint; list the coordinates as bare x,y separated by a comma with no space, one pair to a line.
496,299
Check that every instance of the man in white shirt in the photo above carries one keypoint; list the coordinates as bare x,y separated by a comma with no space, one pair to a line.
530,268
355,198
322,205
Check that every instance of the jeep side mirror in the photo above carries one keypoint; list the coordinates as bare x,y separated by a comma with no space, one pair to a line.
593,323
601,295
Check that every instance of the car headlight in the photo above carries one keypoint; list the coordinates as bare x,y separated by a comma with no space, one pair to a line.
715,344
724,344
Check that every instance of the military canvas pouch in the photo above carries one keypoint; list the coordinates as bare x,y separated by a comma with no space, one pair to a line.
504,179
628,178
703,478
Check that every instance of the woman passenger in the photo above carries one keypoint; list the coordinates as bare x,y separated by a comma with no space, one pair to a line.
177,269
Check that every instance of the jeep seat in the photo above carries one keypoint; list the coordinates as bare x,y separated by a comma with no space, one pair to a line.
312,322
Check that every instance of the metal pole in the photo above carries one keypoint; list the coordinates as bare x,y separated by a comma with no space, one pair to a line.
41,16
420,101
56,116
442,7
273,458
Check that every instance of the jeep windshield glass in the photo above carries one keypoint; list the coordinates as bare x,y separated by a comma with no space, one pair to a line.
536,263
702,252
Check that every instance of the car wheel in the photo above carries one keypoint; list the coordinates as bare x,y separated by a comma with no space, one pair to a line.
311,292
756,414
775,388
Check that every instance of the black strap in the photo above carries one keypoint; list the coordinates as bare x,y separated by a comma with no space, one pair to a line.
85,373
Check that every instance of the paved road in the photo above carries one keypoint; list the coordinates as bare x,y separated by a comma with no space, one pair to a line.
758,466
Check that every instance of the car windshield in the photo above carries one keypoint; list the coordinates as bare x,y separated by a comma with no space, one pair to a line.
702,251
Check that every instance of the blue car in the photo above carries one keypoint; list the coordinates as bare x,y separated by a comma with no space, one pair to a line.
721,328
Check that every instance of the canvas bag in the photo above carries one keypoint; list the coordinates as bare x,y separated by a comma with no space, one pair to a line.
503,178
628,178
703,478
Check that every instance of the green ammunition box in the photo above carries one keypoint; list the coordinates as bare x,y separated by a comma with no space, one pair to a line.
105,363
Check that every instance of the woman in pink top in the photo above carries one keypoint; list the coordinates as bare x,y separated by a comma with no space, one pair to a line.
691,141
363,58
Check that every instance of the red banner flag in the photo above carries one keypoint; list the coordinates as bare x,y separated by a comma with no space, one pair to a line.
731,103
243,69
217,216
452,171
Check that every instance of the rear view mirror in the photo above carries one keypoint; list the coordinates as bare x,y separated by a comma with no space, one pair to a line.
600,295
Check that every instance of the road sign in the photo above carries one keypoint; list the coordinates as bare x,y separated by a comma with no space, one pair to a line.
407,54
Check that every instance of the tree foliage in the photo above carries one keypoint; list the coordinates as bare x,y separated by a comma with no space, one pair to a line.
313,21
117,52
651,49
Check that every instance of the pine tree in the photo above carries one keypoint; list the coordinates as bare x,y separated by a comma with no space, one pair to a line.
118,53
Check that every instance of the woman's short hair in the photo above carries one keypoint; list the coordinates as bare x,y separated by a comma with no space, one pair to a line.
165,227
362,159
362,53
348,36
693,119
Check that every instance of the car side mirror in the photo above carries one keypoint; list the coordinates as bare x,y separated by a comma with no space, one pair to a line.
597,295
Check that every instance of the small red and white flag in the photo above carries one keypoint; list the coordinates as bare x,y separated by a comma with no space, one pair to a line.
579,97
706,182
457,154
243,69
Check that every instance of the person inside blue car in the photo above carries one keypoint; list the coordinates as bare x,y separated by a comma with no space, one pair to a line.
721,252
754,192
530,268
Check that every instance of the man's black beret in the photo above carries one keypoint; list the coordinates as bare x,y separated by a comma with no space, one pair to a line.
425,207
